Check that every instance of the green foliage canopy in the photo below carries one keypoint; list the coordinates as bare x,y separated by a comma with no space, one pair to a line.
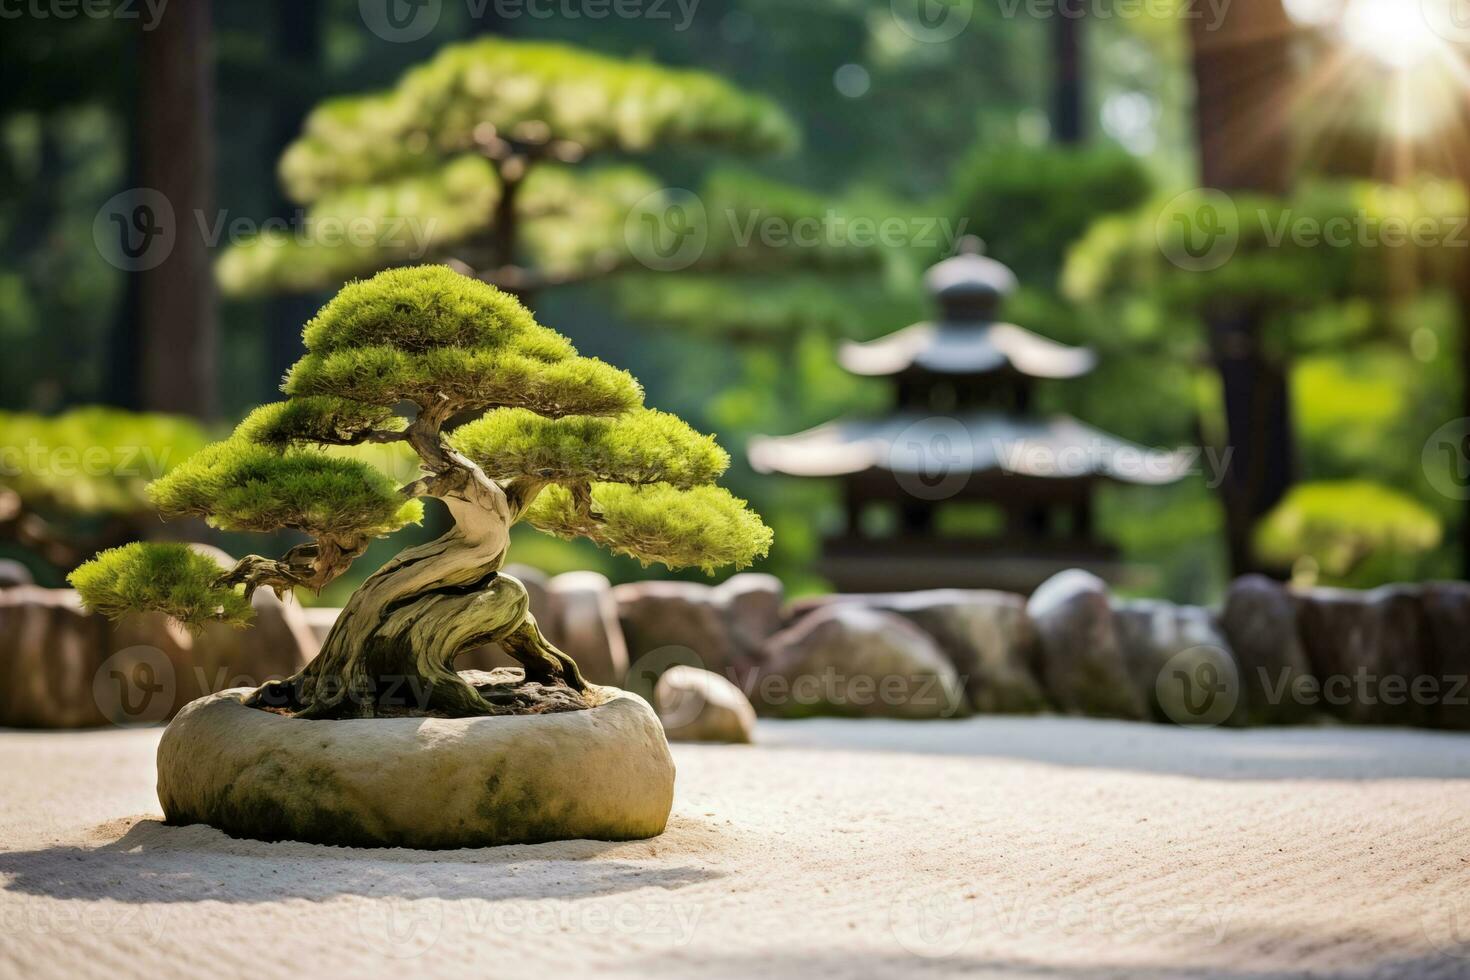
569,428
419,173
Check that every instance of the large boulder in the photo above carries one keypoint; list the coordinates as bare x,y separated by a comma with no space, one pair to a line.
603,773
63,667
157,666
699,706
720,629
750,603
854,661
587,628
1260,624
1181,664
1446,607
1367,654
51,650
1082,664
986,635
677,622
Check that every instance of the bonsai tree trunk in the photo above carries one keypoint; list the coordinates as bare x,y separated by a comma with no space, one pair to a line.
392,650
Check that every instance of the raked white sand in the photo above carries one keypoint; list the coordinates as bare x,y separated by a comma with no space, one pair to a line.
1046,848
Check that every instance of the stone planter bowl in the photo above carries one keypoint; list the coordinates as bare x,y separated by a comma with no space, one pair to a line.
603,773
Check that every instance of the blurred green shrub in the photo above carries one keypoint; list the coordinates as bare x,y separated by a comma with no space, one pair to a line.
73,483
1350,532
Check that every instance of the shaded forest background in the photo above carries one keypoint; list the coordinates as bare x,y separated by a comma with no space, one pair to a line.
1053,138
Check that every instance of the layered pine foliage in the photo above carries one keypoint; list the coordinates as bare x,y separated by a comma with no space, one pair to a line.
416,173
637,481
166,578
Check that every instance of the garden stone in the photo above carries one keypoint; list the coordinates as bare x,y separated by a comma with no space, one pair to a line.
1082,665
1446,607
699,706
1261,625
13,574
751,605
321,619
986,635
668,623
1366,651
854,661
603,773
1181,665
169,666
588,629
51,650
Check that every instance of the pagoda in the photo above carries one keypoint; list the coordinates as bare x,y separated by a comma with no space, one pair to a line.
963,436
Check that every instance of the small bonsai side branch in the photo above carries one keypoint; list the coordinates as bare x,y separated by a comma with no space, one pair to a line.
312,565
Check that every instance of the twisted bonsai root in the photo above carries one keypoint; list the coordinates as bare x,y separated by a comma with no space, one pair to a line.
397,657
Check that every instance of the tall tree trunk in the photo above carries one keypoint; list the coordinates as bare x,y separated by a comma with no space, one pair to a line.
176,298
1243,76
1462,293
298,45
1069,70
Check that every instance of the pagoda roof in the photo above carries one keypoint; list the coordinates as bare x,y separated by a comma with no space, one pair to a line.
1049,448
958,348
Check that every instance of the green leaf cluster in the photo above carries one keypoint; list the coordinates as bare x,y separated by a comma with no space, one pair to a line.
427,333
91,460
1031,203
705,527
360,229
239,485
535,93
641,447
320,419
168,578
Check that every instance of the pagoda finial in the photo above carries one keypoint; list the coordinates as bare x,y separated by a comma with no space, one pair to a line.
969,286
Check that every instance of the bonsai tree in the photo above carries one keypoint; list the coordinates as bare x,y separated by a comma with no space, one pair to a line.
564,444
73,483
477,158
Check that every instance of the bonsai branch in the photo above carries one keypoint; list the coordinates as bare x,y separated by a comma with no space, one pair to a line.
312,565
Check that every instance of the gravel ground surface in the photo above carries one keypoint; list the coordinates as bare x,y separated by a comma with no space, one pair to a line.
1039,847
